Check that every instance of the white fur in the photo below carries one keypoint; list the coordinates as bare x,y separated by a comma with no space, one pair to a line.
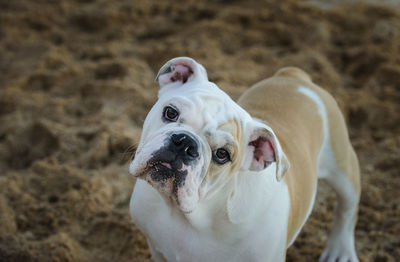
326,160
198,238
252,224
241,216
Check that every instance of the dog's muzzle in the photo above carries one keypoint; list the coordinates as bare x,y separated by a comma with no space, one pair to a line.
168,167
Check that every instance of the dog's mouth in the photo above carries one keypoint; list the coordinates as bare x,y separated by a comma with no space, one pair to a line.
158,166
155,166
164,177
171,183
176,178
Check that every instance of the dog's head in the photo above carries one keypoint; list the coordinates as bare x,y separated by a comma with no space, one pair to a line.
196,139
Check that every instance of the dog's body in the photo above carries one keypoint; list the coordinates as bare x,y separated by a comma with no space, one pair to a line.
283,134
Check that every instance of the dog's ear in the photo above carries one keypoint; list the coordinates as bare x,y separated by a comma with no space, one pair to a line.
181,70
263,149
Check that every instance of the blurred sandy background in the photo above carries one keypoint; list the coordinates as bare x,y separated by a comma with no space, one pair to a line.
76,81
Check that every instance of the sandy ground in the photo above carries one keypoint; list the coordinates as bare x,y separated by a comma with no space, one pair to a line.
76,81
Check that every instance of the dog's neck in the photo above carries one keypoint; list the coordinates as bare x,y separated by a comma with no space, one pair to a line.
233,209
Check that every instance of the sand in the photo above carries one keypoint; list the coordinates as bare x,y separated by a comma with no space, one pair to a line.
76,83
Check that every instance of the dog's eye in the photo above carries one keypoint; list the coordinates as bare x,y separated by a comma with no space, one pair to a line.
221,156
170,114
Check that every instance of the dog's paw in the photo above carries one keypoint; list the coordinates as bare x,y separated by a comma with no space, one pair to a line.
339,254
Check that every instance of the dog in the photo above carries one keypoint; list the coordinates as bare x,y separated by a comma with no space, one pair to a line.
226,181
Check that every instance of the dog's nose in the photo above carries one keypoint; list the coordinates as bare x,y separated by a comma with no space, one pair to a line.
185,146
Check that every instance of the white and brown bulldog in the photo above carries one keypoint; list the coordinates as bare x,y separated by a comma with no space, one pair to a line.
226,181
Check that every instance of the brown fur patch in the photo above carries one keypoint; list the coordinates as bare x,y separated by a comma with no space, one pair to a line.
234,127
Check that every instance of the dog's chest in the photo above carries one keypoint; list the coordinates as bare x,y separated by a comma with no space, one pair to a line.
177,240
169,234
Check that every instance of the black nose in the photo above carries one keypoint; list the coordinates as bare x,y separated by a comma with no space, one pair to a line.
185,146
